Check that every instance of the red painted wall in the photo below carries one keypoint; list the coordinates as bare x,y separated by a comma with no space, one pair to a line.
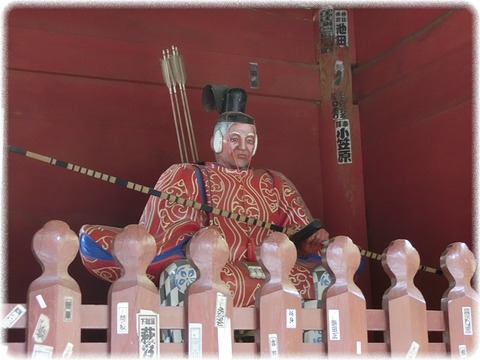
413,85
85,86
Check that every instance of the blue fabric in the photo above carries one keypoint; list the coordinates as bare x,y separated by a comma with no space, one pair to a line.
311,257
361,266
177,250
201,184
90,249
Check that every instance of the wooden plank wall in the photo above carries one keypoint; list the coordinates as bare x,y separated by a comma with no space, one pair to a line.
413,85
84,85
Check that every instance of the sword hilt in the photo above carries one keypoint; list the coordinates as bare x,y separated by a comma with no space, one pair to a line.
306,232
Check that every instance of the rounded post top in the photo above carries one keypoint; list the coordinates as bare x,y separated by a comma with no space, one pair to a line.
401,260
458,264
342,257
208,251
134,249
55,246
277,254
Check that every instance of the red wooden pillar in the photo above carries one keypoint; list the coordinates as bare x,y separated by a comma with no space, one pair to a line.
339,132
54,299
460,302
133,299
278,303
345,306
209,302
407,333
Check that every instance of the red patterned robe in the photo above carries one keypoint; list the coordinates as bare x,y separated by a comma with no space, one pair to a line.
256,193
261,194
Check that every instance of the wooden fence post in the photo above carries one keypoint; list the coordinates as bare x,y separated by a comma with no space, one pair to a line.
278,303
133,299
407,332
460,302
209,302
54,299
345,306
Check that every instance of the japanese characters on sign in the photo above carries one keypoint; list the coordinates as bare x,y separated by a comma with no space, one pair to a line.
334,324
148,334
13,316
339,110
334,33
333,29
338,73
122,318
68,309
467,320
220,310
273,345
222,323
41,329
194,341
344,143
326,30
341,28
291,318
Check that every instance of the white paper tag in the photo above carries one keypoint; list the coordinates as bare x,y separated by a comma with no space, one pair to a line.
68,309
291,319
13,316
334,324
359,347
194,341
339,71
341,28
462,351
41,329
412,352
148,324
220,310
67,353
40,301
3,350
343,140
273,345
42,351
225,341
122,318
467,320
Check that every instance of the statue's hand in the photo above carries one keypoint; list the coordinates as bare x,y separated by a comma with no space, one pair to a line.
313,244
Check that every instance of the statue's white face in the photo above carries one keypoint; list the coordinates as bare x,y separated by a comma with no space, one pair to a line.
238,146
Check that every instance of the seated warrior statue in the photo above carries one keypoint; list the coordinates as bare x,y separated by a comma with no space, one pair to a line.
232,184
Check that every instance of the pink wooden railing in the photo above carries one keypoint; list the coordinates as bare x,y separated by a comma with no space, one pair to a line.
53,317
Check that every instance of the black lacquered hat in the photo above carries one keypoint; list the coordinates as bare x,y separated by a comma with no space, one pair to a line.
229,102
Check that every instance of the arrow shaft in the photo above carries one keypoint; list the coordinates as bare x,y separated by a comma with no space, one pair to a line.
150,191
